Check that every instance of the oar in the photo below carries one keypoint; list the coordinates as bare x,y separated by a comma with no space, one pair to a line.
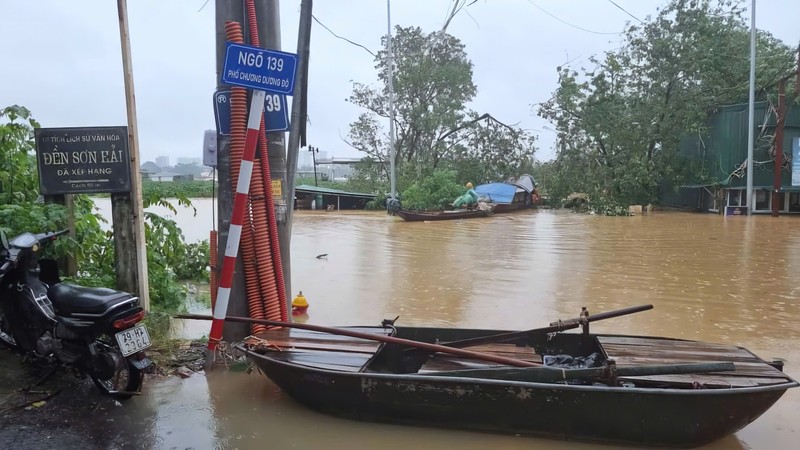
554,327
373,337
553,374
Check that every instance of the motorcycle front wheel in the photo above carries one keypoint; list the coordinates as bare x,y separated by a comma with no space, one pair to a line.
6,338
118,377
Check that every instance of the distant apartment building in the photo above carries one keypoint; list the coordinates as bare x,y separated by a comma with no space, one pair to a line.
162,161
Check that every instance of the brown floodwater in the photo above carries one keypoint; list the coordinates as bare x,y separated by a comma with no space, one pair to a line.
729,280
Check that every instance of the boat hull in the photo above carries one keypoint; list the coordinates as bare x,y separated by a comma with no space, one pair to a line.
615,415
419,216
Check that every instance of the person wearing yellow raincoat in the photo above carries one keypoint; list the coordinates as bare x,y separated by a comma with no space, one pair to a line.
470,198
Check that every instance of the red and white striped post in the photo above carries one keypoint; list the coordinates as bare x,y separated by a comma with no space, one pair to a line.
237,218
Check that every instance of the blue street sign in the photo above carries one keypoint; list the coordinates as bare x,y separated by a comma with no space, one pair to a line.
276,115
222,112
257,68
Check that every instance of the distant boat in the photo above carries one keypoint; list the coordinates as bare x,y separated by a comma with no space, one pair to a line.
419,216
510,195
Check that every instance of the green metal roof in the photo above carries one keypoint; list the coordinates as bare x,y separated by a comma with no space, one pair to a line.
305,188
723,148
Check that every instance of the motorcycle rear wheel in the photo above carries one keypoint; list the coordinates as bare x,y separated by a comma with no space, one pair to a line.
126,380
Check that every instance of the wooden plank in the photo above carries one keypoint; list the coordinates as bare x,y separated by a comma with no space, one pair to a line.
296,333
323,360
742,368
666,343
439,362
448,363
324,346
643,350
709,380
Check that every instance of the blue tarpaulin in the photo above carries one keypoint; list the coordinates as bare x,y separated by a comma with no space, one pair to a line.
496,192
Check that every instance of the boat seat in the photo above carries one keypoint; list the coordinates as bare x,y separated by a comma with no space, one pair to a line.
440,362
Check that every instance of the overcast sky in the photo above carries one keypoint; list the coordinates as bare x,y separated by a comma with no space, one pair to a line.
61,59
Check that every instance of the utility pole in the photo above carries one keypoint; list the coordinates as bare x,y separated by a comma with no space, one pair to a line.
751,109
228,11
269,32
314,151
128,217
299,104
390,76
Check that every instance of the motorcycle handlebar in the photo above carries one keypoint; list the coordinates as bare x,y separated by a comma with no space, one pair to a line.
51,236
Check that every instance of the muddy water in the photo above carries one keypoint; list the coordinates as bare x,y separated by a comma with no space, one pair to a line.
729,280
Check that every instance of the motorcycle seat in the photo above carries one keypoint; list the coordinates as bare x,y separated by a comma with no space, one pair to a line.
69,299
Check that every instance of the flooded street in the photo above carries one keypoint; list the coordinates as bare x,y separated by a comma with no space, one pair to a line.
728,280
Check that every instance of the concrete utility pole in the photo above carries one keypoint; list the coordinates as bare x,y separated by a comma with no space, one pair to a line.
128,217
269,32
299,99
751,110
390,76
226,11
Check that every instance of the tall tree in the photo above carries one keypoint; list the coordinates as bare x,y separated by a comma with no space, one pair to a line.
433,84
621,120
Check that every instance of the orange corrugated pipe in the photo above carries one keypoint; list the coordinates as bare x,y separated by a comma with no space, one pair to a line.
262,245
274,306
255,303
212,262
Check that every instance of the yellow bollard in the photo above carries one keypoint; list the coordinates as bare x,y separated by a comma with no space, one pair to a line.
299,304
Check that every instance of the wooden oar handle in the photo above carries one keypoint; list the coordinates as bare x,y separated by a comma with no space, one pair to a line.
433,348
604,315
554,327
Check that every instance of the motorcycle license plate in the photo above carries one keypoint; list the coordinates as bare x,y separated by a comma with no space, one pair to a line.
133,340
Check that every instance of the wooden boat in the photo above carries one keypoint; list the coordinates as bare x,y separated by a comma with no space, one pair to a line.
631,390
510,195
418,216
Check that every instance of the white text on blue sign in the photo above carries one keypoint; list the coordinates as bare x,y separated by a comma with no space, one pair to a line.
261,69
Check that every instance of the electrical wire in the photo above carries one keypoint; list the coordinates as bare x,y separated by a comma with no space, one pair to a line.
341,37
624,10
567,23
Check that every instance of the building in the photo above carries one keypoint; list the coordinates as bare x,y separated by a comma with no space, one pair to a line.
162,161
315,197
190,161
722,153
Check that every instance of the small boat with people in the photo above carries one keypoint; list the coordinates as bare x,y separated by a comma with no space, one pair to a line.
463,213
607,388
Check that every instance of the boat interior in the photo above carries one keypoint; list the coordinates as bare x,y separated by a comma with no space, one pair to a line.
561,350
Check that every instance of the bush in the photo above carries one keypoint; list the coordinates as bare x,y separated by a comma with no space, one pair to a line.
20,211
436,191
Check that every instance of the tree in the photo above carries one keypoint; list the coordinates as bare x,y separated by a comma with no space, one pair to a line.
620,121
20,211
433,84
150,167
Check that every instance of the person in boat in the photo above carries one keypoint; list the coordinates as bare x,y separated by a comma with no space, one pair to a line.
393,205
469,199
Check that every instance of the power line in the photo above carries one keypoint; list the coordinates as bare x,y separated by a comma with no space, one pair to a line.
624,10
342,38
566,23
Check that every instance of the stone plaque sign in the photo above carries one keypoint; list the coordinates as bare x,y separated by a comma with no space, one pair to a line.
83,160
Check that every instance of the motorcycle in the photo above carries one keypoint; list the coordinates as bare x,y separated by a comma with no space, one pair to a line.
92,331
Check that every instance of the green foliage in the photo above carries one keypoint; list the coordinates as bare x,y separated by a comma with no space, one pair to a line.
169,257
619,123
435,129
177,189
436,191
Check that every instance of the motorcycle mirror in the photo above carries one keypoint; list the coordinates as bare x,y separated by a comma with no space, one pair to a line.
4,239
